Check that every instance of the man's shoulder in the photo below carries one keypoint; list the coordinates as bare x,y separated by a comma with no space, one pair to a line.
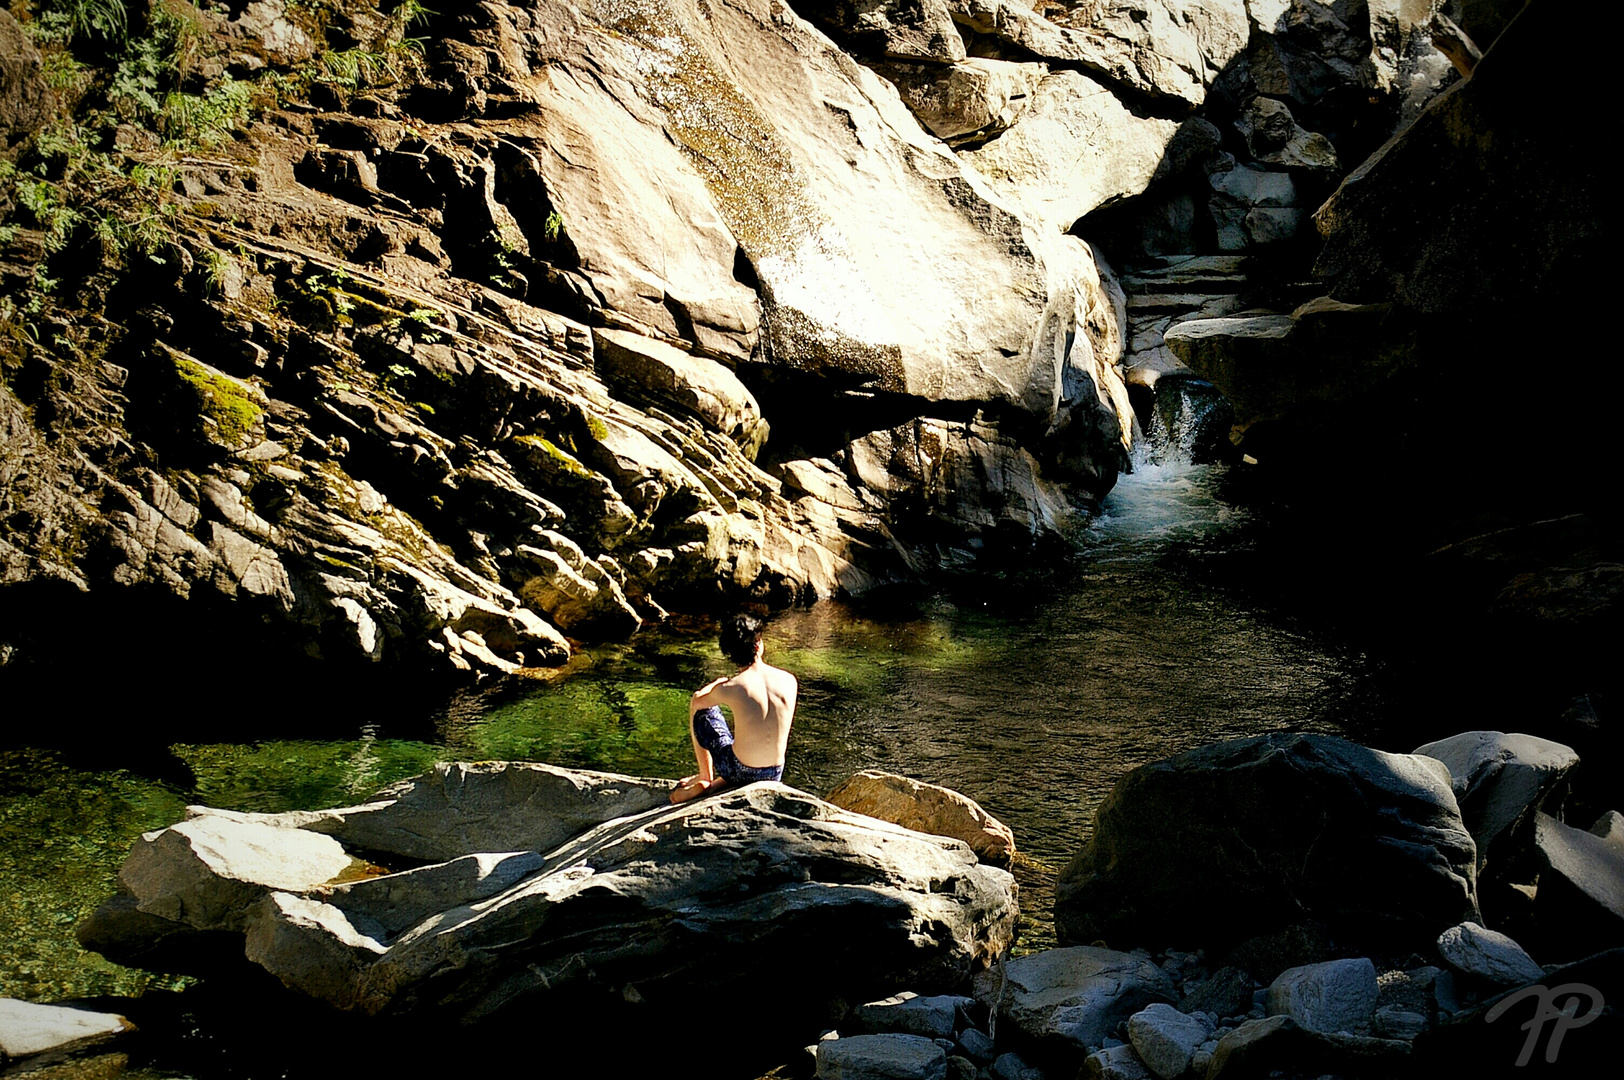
780,675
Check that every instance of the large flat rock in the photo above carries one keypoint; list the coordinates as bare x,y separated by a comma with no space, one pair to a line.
589,894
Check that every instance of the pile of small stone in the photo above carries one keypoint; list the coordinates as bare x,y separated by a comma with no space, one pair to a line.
908,1037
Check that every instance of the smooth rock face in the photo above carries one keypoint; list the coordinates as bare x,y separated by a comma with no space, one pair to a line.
28,1029
1166,1039
1579,908
1075,148
881,1057
972,99
1073,999
864,233
639,909
1338,995
927,808
206,871
1610,827
1488,955
1500,780
1293,827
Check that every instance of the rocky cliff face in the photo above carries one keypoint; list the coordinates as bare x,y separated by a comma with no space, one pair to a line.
452,338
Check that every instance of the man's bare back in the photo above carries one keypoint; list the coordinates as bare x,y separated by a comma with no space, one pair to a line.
762,700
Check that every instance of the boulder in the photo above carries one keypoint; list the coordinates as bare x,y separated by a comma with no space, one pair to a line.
1278,1045
589,894
909,1014
903,29
1487,955
208,871
969,101
1254,207
1501,781
1610,827
1275,138
881,1057
1116,1063
1169,50
1069,1001
1227,993
670,377
1479,202
1073,149
26,101
929,809
44,1034
1338,995
1012,1066
1166,1039
1293,826
1579,908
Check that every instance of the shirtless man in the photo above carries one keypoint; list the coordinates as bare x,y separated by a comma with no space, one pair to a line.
762,699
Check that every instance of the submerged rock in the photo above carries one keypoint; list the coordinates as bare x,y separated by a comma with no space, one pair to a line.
584,892
1291,827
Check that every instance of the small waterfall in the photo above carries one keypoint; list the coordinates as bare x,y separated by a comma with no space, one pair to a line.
1188,424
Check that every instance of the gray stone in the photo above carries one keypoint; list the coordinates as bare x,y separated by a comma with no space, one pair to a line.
1610,827
1579,908
1274,137
1072,999
598,855
1338,995
1394,1023
1014,1067
881,1057
1169,49
1116,1063
1227,993
1487,955
976,1046
1073,149
1501,780
968,101
694,384
1166,1039
1383,856
208,870
1277,1044
960,1068
1249,185
910,1014
47,1032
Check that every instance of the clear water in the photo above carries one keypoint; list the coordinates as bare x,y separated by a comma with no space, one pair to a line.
1032,693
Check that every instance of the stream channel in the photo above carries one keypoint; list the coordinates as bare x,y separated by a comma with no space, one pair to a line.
1176,621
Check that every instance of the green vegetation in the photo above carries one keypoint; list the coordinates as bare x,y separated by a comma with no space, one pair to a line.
221,400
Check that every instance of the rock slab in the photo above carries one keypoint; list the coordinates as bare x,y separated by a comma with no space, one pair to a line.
28,1029
881,1057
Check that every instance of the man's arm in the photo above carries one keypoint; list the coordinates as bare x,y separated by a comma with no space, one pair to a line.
712,693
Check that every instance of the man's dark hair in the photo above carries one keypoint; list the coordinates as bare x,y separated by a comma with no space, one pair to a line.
739,637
